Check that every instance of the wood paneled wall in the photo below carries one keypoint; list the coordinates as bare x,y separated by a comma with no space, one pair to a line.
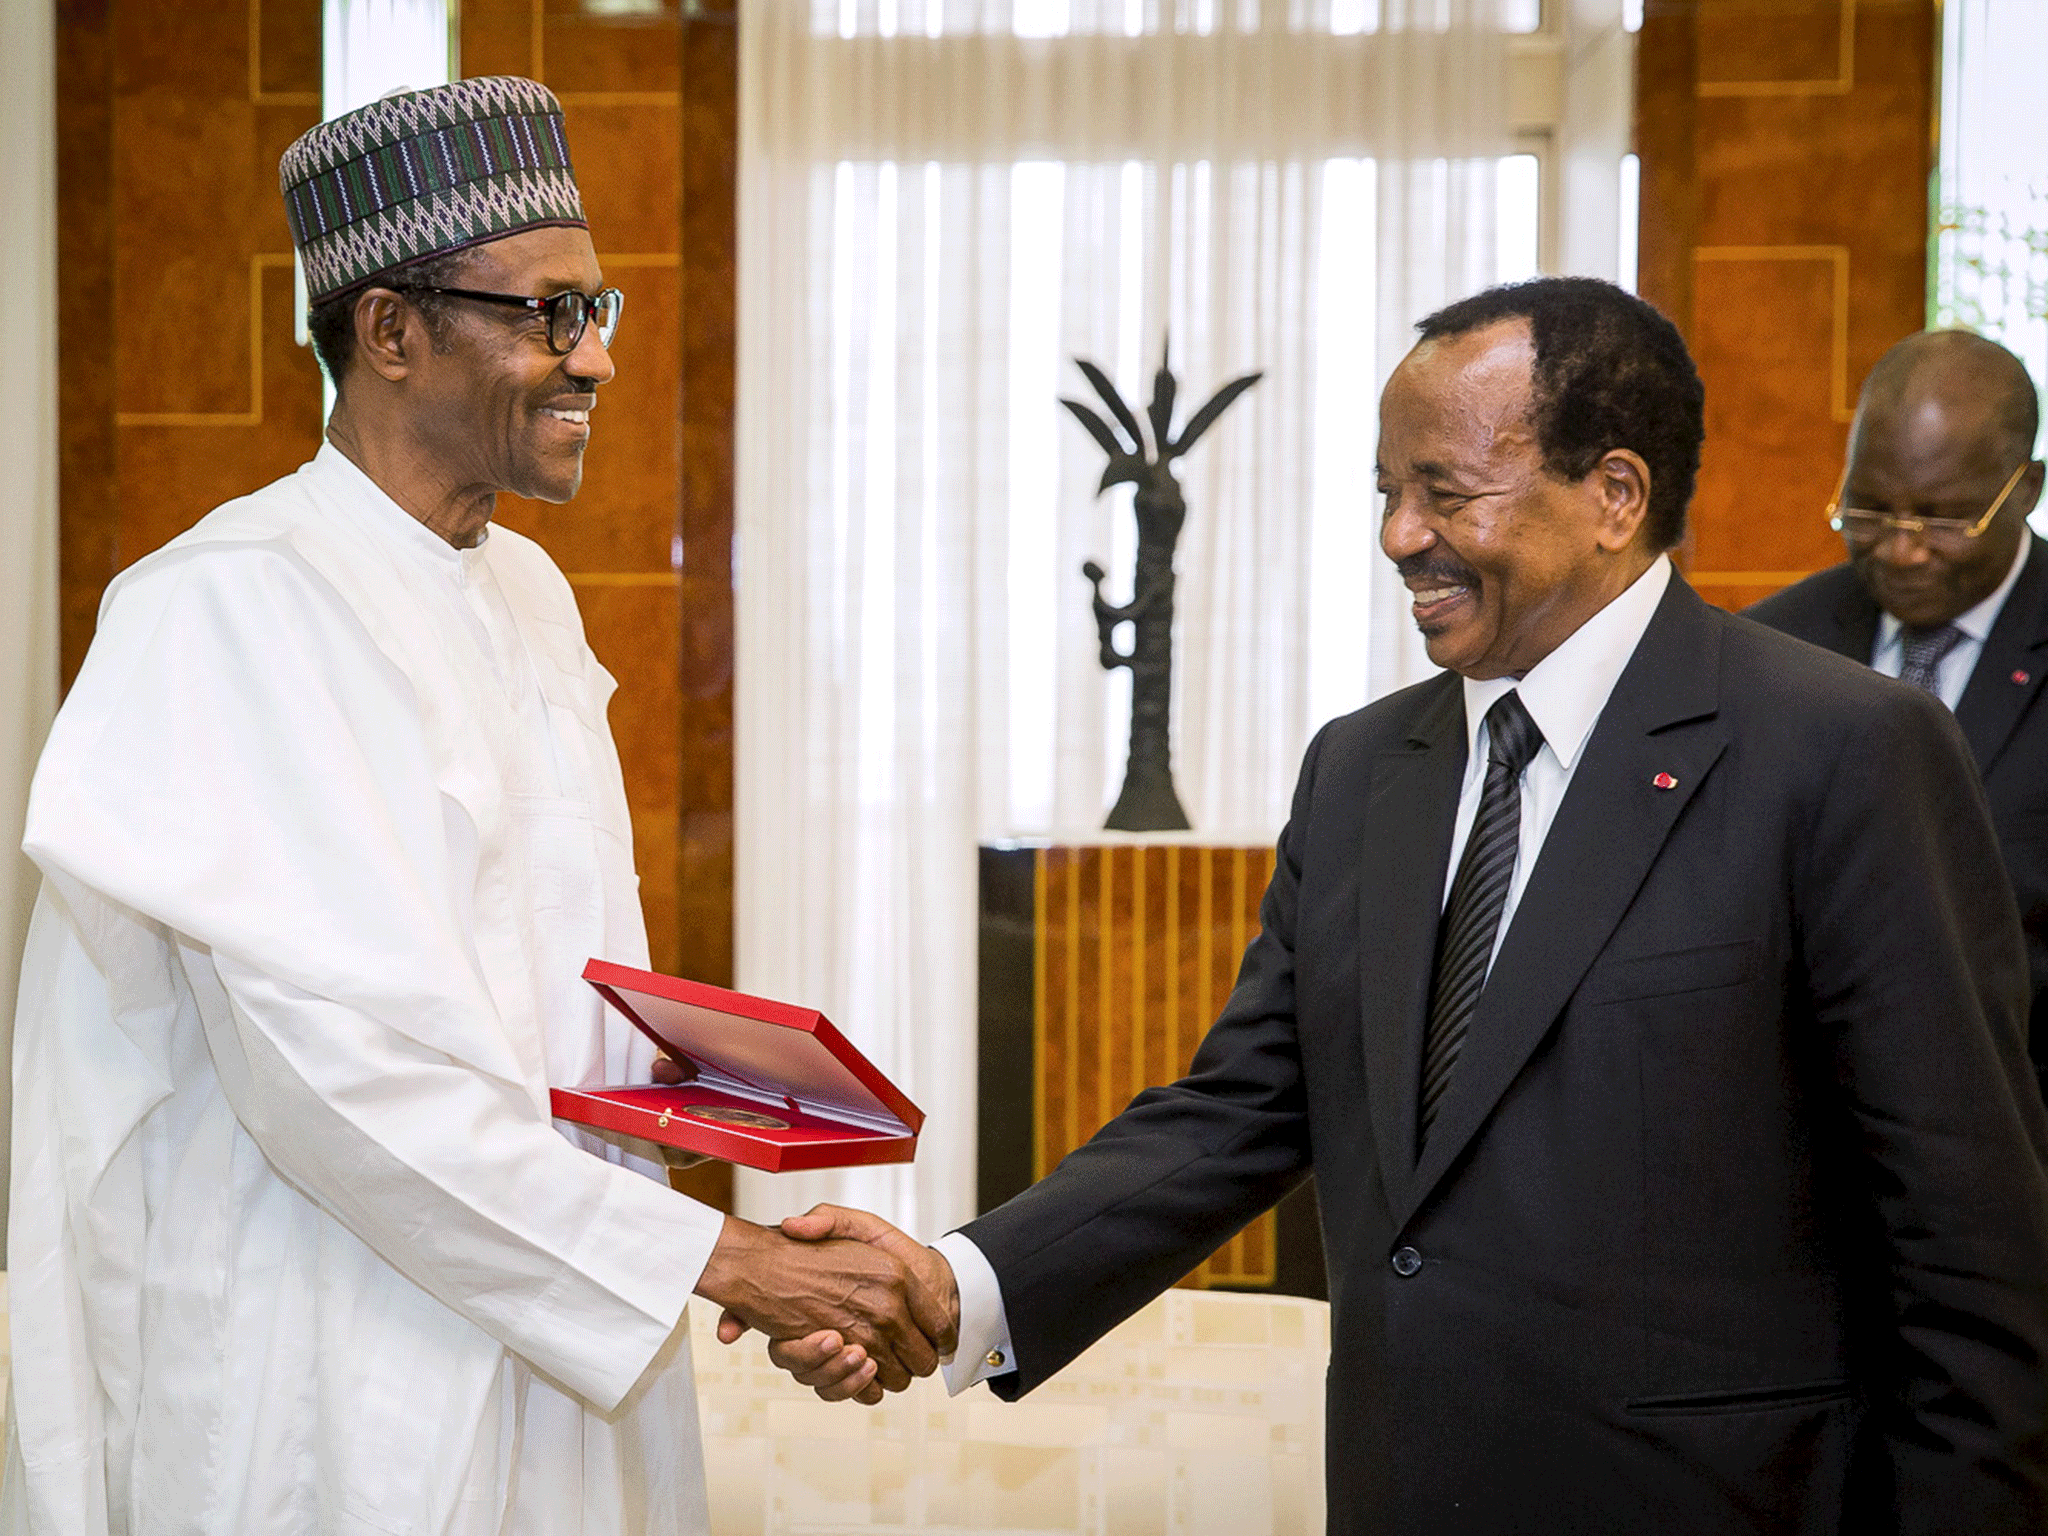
1786,147
181,385
178,380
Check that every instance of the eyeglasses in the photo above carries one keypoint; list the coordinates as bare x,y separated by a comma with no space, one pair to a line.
1863,528
567,313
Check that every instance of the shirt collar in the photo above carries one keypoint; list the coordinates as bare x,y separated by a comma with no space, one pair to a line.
1976,622
1565,691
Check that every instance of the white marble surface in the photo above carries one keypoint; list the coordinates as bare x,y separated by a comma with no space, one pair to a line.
1201,1416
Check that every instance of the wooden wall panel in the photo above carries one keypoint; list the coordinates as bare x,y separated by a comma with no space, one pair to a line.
707,326
178,379
177,465
1136,949
1794,176
87,528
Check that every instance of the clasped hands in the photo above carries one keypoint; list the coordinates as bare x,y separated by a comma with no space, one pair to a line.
851,1305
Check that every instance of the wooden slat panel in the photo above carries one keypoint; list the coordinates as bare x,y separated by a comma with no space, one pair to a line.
1137,947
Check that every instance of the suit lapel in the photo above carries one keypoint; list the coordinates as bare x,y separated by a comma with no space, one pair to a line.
1608,832
1855,634
2009,671
1409,816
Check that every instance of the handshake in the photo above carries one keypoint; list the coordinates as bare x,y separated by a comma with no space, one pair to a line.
851,1306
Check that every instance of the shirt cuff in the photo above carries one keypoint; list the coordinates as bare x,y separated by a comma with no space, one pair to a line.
984,1349
620,1290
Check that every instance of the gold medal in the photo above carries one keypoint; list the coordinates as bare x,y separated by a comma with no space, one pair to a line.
726,1115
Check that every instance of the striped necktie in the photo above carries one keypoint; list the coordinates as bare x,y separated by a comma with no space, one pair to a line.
1923,650
1472,916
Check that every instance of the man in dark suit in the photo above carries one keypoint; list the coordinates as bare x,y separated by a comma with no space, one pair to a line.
1635,993
1945,586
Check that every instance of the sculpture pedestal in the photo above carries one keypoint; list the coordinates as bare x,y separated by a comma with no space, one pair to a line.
1102,966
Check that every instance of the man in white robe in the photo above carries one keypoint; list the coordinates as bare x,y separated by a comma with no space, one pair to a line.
329,824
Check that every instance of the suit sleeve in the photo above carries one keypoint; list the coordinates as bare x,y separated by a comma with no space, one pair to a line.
1919,982
1175,1175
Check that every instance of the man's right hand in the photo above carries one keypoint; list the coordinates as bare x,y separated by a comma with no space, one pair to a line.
858,1292
832,1364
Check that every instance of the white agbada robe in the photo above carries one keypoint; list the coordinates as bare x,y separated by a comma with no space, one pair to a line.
329,824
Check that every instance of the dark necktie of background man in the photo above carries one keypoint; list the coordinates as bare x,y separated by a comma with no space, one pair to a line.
1923,650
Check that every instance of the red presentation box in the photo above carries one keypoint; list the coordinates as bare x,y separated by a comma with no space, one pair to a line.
777,1087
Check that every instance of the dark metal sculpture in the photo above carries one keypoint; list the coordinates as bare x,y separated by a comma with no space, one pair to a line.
1148,802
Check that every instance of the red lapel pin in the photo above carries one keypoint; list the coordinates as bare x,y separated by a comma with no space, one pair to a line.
2022,677
1665,781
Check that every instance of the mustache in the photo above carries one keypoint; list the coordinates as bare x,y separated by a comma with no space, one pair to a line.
1437,568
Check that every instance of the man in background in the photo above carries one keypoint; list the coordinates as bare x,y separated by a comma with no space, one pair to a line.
329,825
1634,992
1945,587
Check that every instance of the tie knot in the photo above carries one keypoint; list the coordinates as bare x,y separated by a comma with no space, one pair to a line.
1512,732
1926,647
1921,651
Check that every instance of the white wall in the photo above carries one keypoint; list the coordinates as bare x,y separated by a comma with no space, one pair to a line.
28,448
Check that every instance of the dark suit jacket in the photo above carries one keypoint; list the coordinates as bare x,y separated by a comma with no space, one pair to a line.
1735,1217
2002,714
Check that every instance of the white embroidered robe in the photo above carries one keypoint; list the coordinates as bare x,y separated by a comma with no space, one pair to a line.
329,824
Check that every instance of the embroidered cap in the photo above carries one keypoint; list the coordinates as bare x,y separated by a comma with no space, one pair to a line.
422,173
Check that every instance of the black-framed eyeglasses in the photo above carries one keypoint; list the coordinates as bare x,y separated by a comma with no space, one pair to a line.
567,312
1862,527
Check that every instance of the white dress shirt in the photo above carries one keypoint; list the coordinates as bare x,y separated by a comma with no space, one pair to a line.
1888,654
1564,694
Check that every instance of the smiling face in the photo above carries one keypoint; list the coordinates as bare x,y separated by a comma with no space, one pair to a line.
497,407
1504,559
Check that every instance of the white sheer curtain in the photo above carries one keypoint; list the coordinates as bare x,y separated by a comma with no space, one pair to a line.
28,513
369,48
943,202
1991,206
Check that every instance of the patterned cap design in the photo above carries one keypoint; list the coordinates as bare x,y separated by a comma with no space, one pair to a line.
423,173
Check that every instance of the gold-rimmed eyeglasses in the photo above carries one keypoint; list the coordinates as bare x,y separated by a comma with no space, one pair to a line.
1862,527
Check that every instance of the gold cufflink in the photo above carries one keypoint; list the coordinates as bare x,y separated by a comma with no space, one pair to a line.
994,1359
